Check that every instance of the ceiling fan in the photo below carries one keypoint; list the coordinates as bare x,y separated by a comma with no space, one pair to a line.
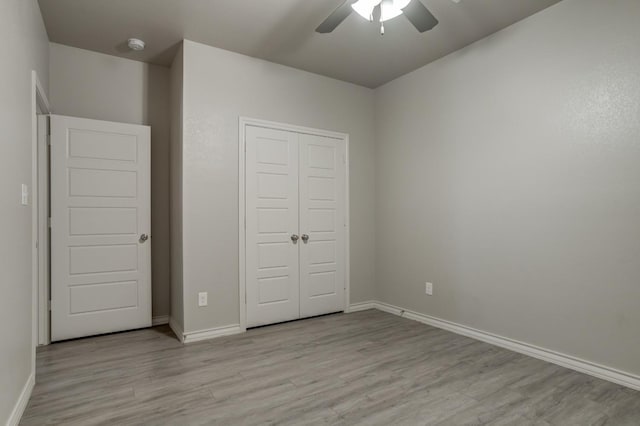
382,10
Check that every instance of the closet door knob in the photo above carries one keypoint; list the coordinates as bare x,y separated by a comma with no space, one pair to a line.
305,237
143,238
294,238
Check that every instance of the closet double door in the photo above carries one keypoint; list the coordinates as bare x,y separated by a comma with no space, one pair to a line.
295,225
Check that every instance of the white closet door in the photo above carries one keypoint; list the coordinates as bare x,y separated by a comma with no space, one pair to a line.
100,218
272,263
322,220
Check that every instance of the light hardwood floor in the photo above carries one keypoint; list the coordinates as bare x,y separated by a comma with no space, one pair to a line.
368,368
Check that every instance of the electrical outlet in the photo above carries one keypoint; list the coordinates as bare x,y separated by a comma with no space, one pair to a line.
428,288
25,194
202,299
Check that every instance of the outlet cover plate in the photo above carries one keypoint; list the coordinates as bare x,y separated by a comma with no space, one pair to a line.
202,299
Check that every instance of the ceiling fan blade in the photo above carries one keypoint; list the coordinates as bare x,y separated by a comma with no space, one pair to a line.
420,16
338,15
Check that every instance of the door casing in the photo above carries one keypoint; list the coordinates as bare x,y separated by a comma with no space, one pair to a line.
243,123
39,212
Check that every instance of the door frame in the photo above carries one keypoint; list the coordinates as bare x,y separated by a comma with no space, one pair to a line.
39,239
243,123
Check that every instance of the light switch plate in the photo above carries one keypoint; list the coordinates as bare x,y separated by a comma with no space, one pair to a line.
428,288
25,194
202,299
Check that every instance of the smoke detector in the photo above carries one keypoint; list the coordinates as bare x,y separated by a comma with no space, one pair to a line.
135,44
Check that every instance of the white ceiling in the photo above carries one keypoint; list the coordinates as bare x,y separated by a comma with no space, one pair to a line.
281,31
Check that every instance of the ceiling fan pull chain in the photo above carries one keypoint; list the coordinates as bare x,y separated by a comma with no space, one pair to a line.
381,28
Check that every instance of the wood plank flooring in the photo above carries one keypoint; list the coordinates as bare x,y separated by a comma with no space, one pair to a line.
368,368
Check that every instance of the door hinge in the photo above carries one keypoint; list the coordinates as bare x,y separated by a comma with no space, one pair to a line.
49,305
48,140
49,222
36,243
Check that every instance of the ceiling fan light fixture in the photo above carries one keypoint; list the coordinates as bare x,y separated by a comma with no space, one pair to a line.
414,10
365,8
388,10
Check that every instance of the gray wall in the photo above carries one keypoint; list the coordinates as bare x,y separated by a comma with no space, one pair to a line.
177,289
508,174
23,47
220,86
102,87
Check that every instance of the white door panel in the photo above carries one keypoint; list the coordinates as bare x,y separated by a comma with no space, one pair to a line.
322,218
100,207
272,271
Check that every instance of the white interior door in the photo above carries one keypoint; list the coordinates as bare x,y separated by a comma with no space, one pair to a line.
100,221
322,225
272,264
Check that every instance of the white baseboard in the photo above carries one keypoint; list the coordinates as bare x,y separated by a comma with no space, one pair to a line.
160,320
597,370
177,329
361,306
212,333
197,336
23,400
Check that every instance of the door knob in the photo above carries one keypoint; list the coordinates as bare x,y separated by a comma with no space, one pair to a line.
143,238
305,237
294,238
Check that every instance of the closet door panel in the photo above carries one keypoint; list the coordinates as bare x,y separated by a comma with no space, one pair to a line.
322,225
272,260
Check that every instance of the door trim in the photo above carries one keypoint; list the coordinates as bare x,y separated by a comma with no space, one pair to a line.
243,122
39,239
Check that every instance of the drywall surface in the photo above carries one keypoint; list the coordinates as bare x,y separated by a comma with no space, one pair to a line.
23,48
177,289
220,86
102,87
508,174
